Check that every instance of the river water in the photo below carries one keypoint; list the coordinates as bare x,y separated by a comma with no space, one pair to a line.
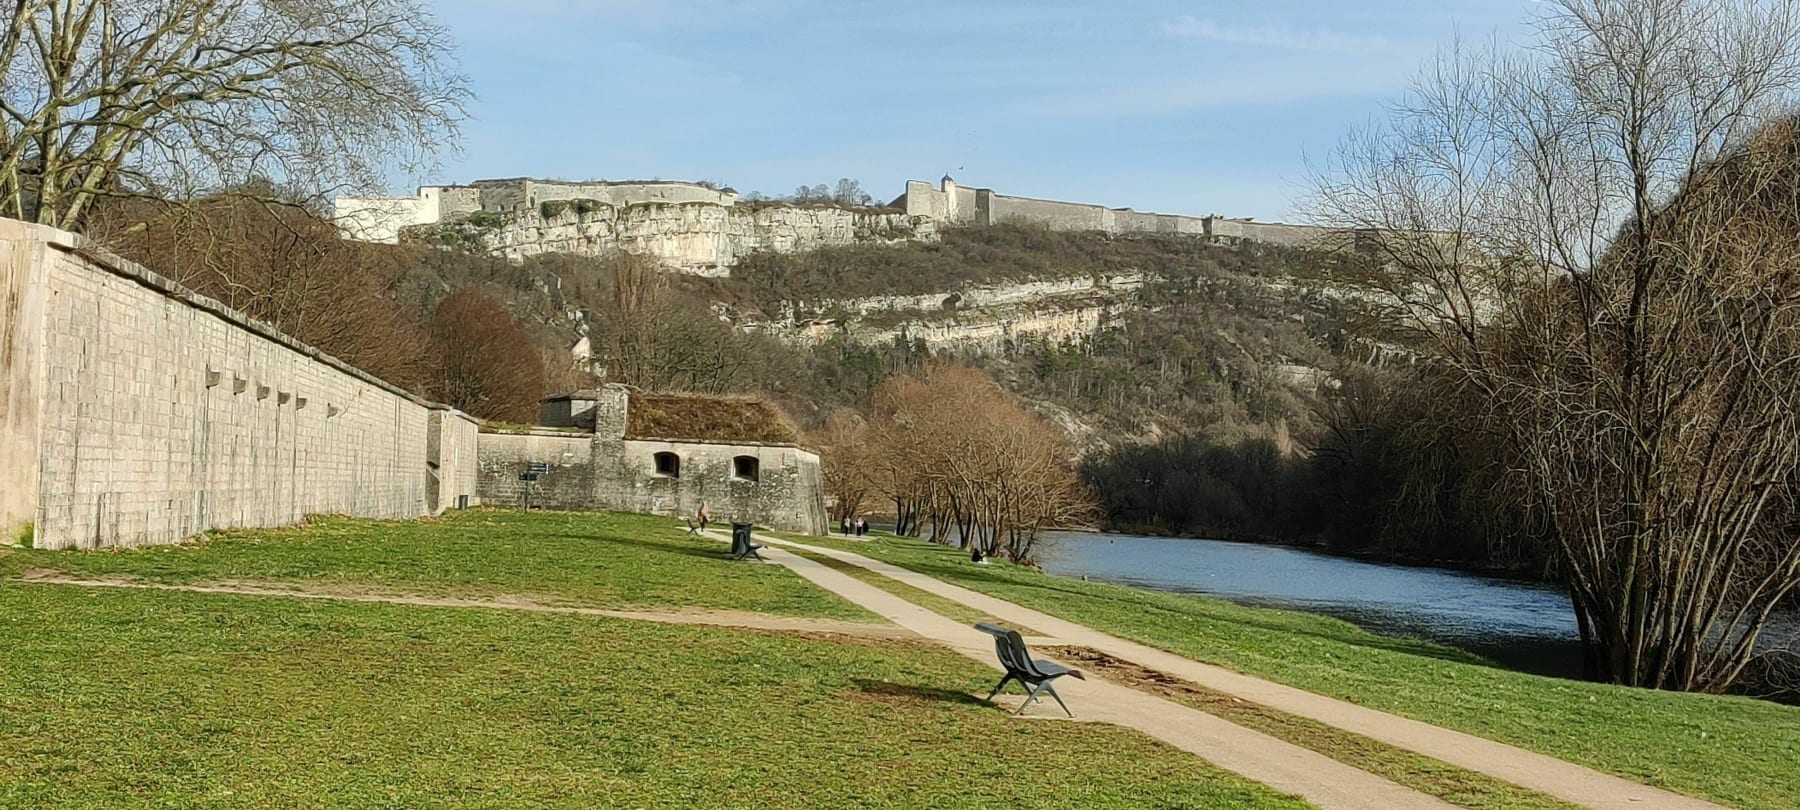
1517,624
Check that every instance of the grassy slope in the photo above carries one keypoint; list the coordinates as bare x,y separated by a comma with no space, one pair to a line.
153,698
595,560
1738,751
133,698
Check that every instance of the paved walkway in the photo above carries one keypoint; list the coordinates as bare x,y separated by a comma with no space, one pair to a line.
1284,766
1564,780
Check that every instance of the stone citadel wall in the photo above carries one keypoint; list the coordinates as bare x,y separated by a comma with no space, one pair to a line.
136,412
980,207
699,229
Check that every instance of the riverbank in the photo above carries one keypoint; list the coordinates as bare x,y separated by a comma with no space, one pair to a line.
1518,623
1524,570
1734,750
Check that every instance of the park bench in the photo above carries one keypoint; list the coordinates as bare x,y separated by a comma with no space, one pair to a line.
741,547
1036,675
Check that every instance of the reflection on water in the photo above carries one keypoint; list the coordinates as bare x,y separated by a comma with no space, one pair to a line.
1522,625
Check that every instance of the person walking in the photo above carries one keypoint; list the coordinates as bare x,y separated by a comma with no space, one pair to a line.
704,516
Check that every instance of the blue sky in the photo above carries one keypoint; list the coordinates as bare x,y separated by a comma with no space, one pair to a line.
1179,107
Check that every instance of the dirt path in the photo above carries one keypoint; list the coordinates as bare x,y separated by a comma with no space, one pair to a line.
717,618
1554,777
1315,777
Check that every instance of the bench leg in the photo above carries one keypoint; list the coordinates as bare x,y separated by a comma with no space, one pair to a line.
1051,688
1003,682
1041,688
1035,691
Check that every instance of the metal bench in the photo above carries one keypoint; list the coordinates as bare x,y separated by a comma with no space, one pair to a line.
1034,674
741,547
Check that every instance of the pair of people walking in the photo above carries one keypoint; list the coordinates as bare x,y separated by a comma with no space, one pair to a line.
858,527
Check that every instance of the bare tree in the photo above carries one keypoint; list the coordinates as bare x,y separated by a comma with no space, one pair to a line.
106,98
850,192
489,366
1588,236
844,453
280,264
957,452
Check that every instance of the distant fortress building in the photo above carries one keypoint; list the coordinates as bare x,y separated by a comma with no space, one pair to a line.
962,206
697,228
380,219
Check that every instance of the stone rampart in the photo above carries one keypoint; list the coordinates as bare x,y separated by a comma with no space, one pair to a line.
699,229
1271,232
786,492
137,412
955,204
776,485
568,485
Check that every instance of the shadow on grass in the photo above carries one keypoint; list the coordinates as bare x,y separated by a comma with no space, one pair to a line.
901,691
709,551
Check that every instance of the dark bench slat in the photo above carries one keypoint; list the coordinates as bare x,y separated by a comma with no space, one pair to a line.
1036,674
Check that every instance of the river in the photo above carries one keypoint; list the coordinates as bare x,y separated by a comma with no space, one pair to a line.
1517,624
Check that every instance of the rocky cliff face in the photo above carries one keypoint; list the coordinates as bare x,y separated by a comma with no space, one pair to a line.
975,318
699,238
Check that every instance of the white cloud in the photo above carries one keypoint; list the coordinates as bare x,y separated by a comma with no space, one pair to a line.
1273,36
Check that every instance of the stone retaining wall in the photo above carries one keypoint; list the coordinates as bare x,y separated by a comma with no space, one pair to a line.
137,412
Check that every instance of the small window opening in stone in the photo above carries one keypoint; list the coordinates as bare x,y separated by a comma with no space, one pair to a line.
668,464
745,468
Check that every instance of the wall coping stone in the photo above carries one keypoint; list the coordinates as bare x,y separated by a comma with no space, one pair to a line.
721,443
539,431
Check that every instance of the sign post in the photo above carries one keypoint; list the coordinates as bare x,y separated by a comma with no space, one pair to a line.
530,476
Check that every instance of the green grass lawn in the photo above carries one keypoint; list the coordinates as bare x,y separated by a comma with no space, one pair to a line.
112,697
1733,750
594,560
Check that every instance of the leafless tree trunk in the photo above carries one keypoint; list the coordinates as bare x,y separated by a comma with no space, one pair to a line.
961,450
107,98
1594,237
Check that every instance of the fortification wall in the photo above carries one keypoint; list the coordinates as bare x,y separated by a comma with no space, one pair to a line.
1060,216
568,485
1272,232
454,201
452,461
380,219
161,414
23,290
963,206
787,495
921,200
520,194
605,470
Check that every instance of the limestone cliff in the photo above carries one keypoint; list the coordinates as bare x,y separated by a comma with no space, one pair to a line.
690,237
979,318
